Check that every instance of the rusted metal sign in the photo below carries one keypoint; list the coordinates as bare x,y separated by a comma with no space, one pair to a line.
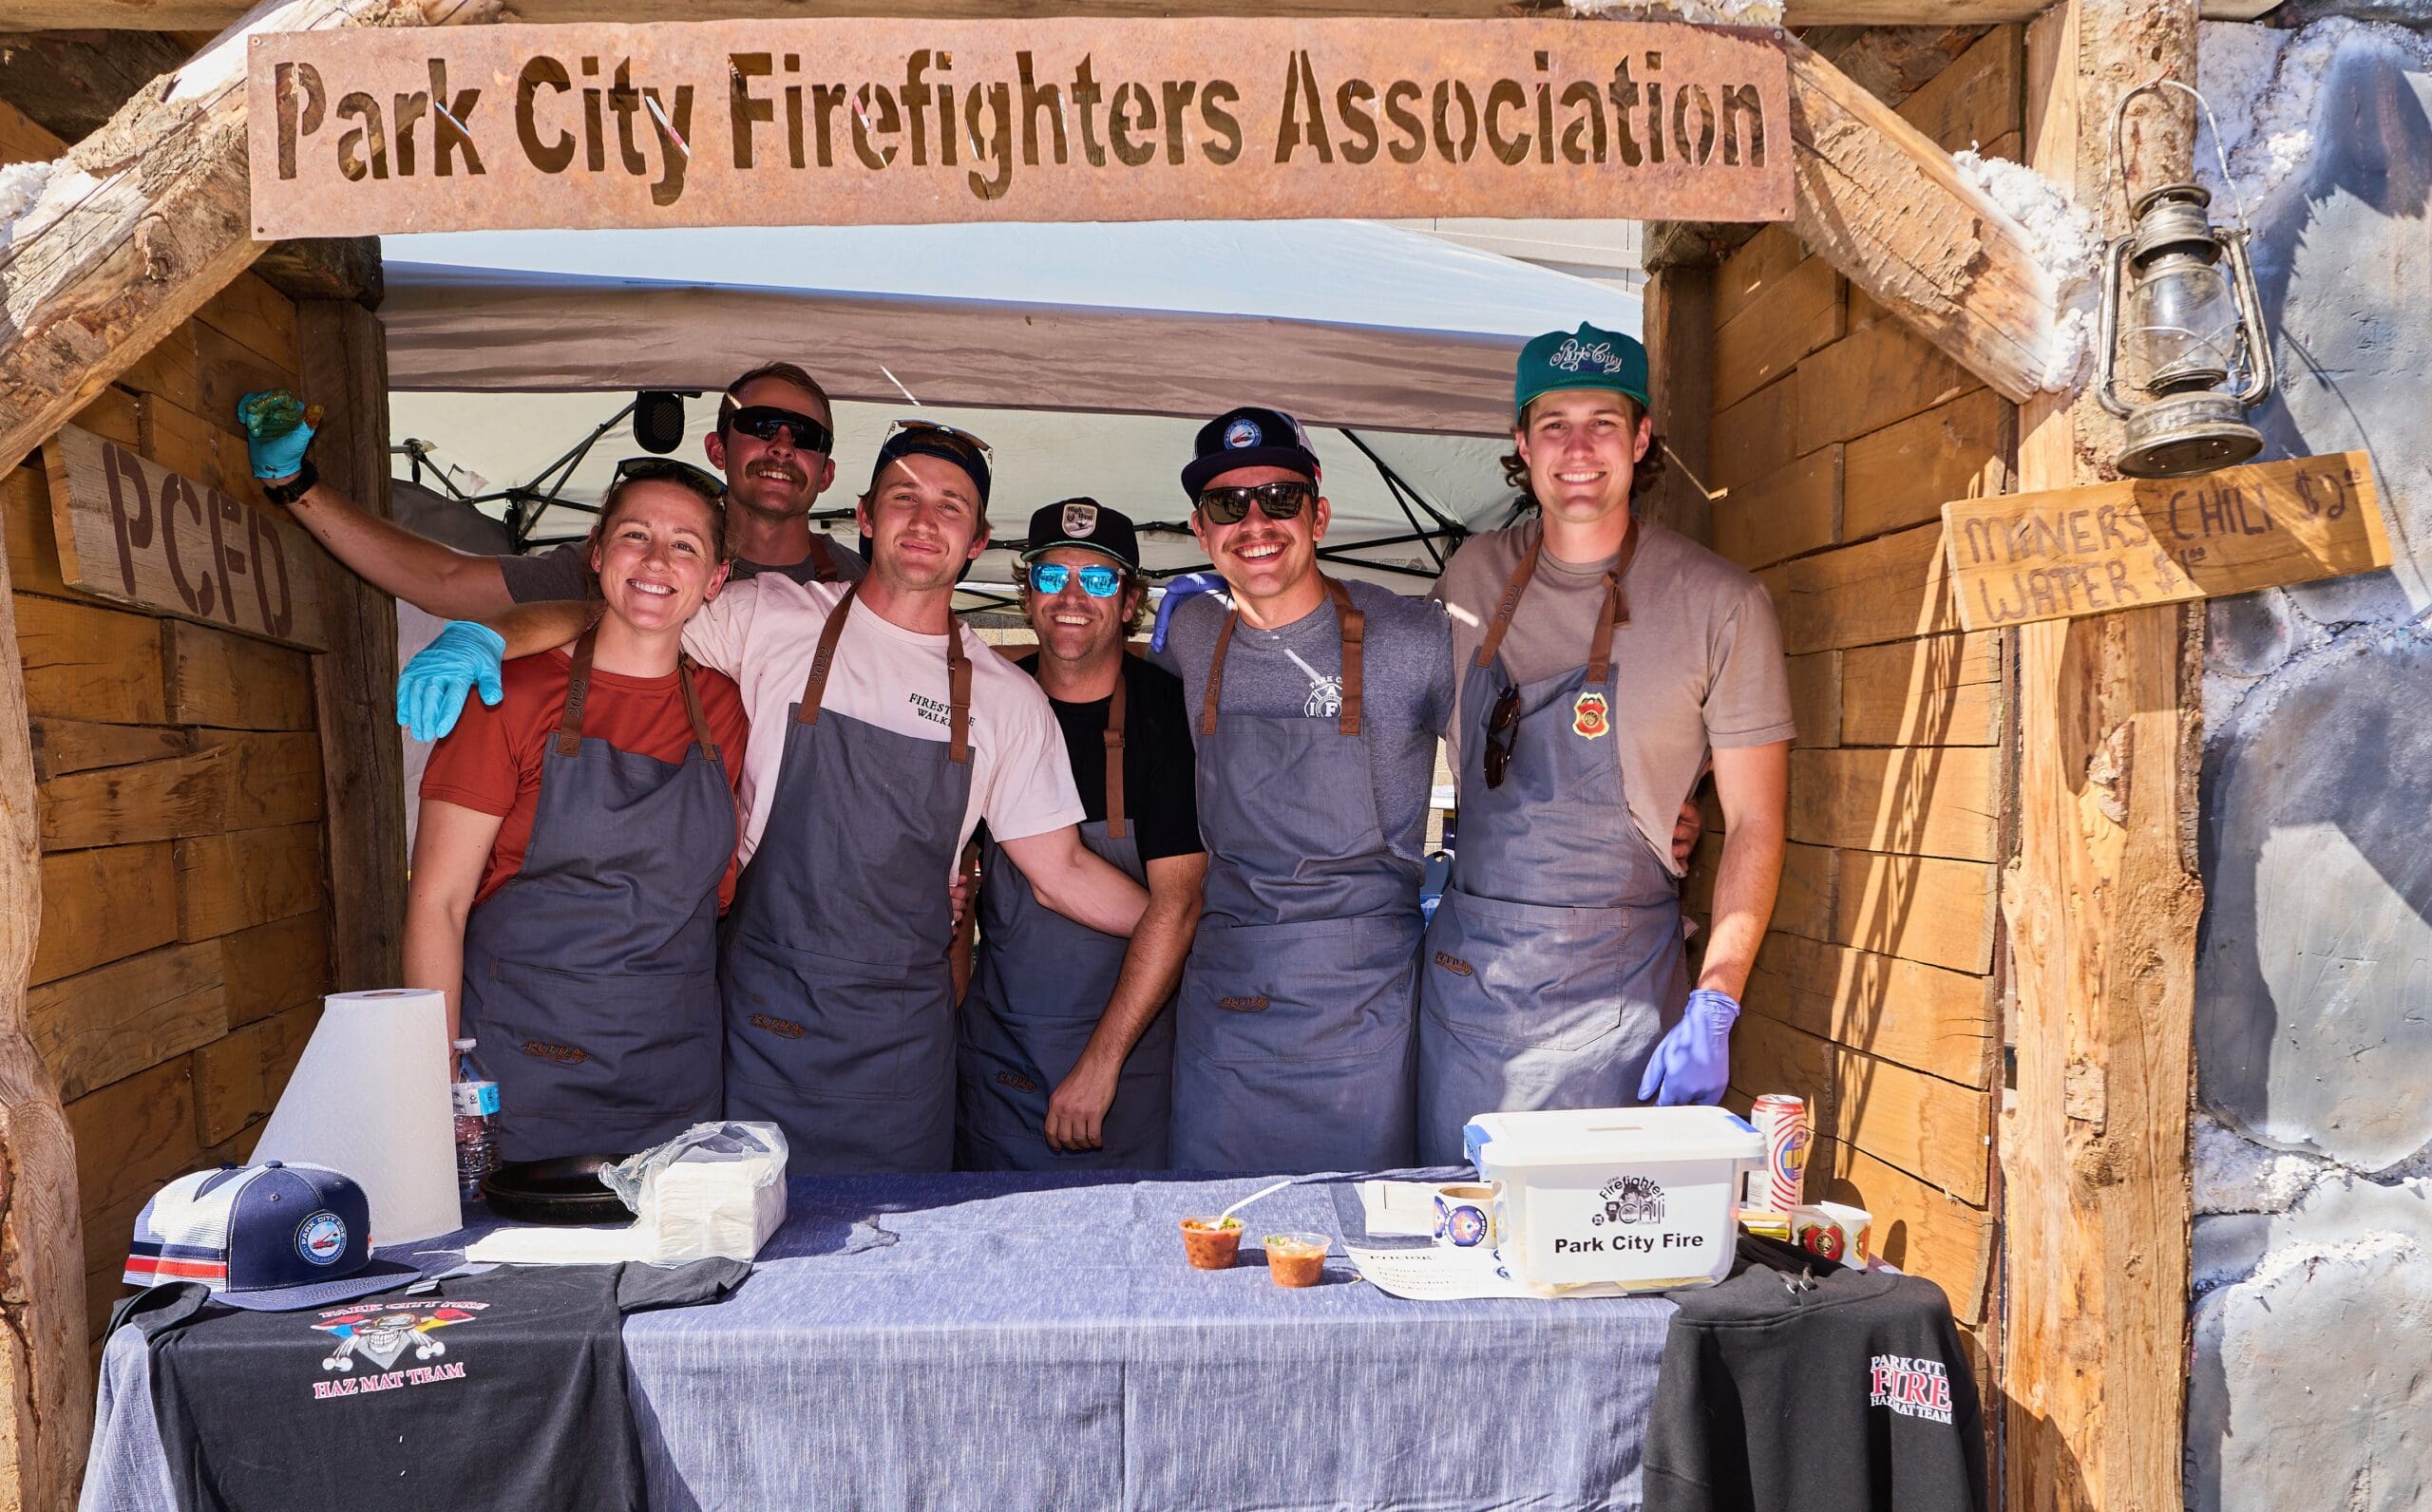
884,121
2089,550
131,530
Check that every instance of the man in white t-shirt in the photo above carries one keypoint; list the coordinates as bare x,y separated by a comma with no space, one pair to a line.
884,731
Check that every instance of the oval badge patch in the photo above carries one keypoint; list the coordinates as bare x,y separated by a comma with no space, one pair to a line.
1588,715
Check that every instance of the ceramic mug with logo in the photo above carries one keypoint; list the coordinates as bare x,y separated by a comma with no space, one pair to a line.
1465,1216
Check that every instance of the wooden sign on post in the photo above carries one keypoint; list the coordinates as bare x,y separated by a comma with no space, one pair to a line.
886,121
2015,558
132,530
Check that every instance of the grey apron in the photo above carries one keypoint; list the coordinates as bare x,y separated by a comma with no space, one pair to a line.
1554,960
591,977
1293,1045
1038,991
838,1000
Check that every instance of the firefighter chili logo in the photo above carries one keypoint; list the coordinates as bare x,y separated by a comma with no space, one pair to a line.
1588,715
1911,1386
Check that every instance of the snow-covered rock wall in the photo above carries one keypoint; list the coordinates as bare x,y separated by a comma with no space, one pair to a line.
2311,1379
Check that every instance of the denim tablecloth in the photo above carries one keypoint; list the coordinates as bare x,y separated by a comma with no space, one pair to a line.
1007,1342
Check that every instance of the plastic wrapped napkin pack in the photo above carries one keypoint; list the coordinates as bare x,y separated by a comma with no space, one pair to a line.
717,1190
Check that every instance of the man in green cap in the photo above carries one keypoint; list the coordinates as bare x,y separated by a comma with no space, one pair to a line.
1602,662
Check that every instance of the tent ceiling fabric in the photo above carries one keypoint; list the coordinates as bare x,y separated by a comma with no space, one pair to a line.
1344,323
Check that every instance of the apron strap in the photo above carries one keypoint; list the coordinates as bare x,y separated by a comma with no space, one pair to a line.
684,666
577,694
1617,610
1511,600
1355,629
815,687
823,560
1114,758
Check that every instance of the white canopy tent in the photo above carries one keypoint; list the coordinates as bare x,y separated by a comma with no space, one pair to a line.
1072,349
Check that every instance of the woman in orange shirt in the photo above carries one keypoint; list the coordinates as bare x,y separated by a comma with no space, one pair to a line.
576,842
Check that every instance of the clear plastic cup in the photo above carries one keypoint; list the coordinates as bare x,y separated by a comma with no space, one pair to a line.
1211,1243
1297,1260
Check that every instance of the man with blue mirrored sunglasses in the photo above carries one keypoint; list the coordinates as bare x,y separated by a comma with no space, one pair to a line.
1066,1036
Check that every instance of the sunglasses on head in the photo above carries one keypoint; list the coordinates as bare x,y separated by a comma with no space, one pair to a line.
763,423
1278,500
1502,724
1096,582
962,442
668,470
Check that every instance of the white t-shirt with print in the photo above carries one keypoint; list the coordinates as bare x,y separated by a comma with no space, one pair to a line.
764,633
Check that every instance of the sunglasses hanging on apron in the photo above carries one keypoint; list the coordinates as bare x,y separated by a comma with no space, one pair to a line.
591,976
838,1000
1554,960
1293,1027
1038,991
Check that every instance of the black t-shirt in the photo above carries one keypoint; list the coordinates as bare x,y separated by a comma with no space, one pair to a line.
1848,1396
503,1389
1160,800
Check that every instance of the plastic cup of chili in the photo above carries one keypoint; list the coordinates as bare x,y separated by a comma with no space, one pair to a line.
1211,1243
1296,1259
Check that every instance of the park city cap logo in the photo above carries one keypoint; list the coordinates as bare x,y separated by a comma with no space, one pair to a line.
1080,520
1572,356
1243,432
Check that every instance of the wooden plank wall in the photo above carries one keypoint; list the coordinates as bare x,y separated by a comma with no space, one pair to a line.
1838,434
184,943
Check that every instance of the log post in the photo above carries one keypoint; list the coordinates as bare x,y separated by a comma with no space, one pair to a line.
1680,339
46,1392
2102,898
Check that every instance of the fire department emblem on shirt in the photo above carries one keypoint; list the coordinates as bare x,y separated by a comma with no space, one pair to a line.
1587,716
1081,519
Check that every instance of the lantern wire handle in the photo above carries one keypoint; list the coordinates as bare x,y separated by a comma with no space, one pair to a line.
2220,155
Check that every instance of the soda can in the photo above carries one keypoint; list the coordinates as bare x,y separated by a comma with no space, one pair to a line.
1782,1120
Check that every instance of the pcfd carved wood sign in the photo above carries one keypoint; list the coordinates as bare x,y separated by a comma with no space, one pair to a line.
131,530
882,122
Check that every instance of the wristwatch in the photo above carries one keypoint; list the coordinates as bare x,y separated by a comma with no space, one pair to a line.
295,487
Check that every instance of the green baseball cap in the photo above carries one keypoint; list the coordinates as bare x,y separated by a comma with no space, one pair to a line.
1589,357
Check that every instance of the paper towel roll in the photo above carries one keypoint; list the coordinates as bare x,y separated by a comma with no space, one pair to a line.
369,1098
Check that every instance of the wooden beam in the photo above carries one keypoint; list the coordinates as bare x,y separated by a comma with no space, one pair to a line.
1679,337
71,82
2101,899
1887,206
145,219
46,1398
325,268
181,15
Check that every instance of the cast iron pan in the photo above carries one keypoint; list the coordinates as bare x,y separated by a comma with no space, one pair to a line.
565,1189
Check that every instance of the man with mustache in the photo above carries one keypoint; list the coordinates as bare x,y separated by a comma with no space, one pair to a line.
1067,1049
1603,661
1316,706
775,426
885,731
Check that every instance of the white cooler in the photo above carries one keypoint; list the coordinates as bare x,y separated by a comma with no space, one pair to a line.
1646,1198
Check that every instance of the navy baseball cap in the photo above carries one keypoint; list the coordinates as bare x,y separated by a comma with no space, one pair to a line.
927,438
1085,523
1248,437
267,1237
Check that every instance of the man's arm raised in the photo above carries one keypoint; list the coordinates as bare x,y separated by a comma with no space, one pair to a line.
436,579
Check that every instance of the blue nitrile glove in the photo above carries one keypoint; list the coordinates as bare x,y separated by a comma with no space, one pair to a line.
1186,586
277,431
431,690
1693,1063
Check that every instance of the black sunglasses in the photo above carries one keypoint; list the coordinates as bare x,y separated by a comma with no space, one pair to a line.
1276,500
668,470
1502,727
763,423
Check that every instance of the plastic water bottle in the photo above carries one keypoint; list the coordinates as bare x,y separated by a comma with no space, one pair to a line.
476,1105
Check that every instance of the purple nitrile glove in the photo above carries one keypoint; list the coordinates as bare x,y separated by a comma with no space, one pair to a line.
1187,585
431,688
1693,1063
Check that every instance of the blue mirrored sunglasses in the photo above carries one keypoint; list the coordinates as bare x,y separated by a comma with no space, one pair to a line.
1098,582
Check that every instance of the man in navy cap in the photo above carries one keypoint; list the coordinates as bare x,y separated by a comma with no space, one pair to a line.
1316,706
1602,663
1067,1049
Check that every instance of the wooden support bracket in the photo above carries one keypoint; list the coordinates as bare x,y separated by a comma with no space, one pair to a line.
142,222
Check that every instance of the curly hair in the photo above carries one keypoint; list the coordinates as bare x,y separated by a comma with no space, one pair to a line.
1643,477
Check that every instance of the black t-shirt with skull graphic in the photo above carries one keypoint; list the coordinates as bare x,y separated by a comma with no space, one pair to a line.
503,1389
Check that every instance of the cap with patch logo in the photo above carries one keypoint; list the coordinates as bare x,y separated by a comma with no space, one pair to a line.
1086,523
1590,357
1248,437
267,1237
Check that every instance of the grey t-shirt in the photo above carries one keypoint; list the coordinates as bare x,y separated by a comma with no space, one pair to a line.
560,572
1697,666
1406,687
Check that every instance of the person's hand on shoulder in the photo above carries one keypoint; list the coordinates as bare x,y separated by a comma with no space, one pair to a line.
431,688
